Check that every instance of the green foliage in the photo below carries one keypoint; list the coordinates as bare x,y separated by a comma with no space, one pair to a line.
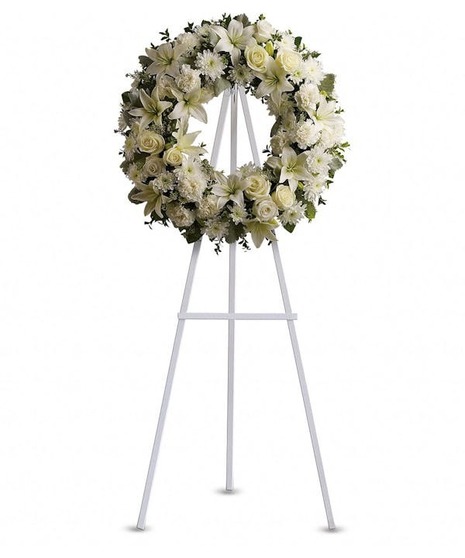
131,193
165,35
192,233
327,83
289,228
310,212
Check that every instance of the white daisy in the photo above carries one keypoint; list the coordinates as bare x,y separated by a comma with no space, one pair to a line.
292,215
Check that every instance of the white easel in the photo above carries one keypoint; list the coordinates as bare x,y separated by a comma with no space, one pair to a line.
231,96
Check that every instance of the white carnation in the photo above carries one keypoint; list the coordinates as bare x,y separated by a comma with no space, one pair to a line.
188,79
207,207
187,42
306,134
192,188
180,215
307,97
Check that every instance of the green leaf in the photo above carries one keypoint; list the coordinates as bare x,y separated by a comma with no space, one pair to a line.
289,228
193,233
145,61
310,212
328,83
335,164
298,42
220,85
275,127
131,193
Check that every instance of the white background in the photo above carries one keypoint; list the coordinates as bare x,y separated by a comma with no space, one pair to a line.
89,297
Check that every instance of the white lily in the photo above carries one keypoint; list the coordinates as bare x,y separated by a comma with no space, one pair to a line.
274,81
189,104
166,59
152,109
184,143
229,189
294,167
259,231
324,116
152,196
234,39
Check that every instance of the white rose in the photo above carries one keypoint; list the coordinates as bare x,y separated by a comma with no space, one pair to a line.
263,31
265,210
153,166
150,142
256,57
173,157
257,186
289,60
283,197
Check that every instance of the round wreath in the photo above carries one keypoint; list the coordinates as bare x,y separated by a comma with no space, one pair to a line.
178,78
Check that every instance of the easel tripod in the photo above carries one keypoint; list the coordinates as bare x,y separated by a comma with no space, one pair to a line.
231,97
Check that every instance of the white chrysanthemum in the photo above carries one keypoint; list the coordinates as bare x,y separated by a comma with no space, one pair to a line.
334,134
318,161
241,74
164,182
210,64
207,207
306,134
311,70
187,42
192,188
238,214
215,229
122,125
134,173
188,79
292,215
286,42
314,187
247,170
179,215
130,146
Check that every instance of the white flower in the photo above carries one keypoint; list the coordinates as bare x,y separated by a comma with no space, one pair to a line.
189,104
324,116
274,81
187,42
238,214
292,215
153,166
286,42
314,187
233,39
188,79
207,207
152,110
241,74
216,229
192,188
180,216
191,168
130,146
256,57
263,31
229,189
256,187
318,161
294,167
152,196
307,97
283,196
265,210
289,60
311,70
259,231
278,141
165,59
306,134
210,64
135,174
333,135
184,143
150,142
173,156
164,182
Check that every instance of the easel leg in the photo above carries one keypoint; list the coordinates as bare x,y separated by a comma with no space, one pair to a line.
304,389
168,386
231,335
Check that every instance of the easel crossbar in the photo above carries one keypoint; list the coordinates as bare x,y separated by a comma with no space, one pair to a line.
236,316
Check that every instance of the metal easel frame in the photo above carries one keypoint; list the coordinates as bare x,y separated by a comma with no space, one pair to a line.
231,97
